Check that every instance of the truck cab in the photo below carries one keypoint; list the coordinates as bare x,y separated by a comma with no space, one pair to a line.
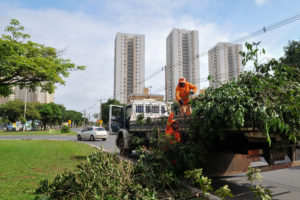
121,118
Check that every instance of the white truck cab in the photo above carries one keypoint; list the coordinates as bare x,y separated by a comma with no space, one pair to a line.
120,118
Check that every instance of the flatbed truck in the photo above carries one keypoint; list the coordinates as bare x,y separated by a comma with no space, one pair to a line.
232,155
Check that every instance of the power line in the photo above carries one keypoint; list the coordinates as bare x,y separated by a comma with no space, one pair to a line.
268,28
201,80
265,29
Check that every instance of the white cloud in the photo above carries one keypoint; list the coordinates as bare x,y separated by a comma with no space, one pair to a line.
261,2
90,41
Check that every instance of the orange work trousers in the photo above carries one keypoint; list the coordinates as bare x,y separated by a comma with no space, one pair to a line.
185,109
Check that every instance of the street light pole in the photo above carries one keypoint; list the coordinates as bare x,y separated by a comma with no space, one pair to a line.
100,111
25,105
83,119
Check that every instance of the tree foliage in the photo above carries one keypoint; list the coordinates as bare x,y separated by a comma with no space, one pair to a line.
292,58
29,64
50,114
74,116
292,54
12,110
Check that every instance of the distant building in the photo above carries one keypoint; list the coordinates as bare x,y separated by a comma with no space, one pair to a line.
145,95
225,63
36,96
129,69
182,59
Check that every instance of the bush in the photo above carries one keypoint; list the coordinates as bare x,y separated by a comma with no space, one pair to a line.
65,129
103,176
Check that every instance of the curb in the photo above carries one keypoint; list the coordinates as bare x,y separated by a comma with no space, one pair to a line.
198,192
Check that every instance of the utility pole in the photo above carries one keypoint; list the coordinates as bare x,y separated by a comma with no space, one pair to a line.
25,105
256,44
84,119
150,89
100,110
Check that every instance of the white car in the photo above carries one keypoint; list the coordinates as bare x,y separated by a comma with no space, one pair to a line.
92,133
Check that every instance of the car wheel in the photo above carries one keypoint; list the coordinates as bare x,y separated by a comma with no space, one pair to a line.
78,137
104,139
92,138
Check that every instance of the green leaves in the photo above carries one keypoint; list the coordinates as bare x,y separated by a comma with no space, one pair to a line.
224,192
197,177
259,191
29,64
103,176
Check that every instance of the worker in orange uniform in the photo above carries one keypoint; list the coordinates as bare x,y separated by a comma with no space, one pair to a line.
183,92
172,129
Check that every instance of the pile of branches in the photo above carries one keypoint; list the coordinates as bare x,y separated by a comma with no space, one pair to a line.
268,98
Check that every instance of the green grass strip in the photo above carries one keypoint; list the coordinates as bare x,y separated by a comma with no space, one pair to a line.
23,164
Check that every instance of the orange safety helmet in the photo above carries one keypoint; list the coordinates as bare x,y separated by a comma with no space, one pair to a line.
182,80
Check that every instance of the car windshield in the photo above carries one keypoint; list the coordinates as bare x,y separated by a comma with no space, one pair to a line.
99,129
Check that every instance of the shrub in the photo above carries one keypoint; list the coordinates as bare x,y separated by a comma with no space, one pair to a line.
65,129
103,176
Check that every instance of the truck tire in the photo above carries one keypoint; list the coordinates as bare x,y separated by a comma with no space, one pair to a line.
120,143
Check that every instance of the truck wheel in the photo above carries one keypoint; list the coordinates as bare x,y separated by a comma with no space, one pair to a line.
127,152
120,144
269,156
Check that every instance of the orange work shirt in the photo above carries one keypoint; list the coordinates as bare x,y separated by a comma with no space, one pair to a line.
170,131
183,93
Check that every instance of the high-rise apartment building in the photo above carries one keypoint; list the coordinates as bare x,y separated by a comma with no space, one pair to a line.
225,63
22,94
129,69
182,60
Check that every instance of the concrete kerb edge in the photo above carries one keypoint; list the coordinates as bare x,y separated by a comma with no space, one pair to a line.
199,192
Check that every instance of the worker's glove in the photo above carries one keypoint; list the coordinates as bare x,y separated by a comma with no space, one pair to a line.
192,92
180,102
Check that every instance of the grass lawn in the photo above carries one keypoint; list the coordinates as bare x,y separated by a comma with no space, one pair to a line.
23,164
52,132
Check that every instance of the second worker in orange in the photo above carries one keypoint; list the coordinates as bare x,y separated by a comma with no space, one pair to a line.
184,90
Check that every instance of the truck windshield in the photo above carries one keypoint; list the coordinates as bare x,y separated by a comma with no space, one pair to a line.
148,110
163,109
155,109
139,109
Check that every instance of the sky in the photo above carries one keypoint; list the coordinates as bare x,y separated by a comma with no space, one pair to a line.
86,30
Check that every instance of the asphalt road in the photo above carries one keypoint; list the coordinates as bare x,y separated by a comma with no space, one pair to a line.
108,145
284,184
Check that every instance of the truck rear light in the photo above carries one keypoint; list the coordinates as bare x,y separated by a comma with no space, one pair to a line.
255,152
